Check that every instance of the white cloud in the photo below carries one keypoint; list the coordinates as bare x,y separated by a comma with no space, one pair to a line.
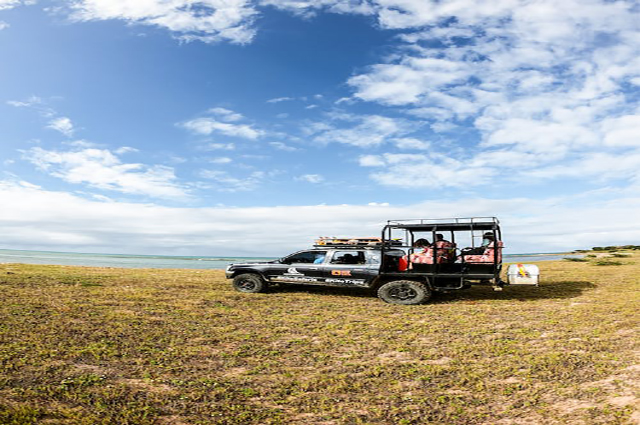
366,130
221,160
225,182
411,143
622,131
10,4
426,171
279,99
4,25
220,146
34,218
371,161
63,125
31,101
408,81
226,114
545,80
126,149
308,8
102,169
311,178
283,146
207,126
208,21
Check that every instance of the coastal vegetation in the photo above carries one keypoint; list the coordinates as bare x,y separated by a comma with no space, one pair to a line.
82,345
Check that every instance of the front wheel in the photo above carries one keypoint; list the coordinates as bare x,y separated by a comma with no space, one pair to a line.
404,292
249,282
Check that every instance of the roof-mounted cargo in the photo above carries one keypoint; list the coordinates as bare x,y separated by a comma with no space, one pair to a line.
370,242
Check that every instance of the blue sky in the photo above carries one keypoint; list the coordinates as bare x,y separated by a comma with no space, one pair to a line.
229,127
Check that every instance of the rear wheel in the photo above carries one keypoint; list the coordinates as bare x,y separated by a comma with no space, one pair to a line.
404,292
249,282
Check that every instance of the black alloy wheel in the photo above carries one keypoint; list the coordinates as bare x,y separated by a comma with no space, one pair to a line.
250,283
404,292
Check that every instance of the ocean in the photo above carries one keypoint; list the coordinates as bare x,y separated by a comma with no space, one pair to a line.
176,262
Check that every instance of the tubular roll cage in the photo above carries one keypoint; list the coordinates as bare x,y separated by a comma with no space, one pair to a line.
444,225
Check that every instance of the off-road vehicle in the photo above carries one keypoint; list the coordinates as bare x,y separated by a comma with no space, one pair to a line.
410,261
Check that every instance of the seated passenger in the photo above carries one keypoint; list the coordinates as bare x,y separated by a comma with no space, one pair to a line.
487,239
423,257
421,243
446,249
489,251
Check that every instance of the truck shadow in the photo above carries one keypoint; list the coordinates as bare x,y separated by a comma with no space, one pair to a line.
553,290
325,290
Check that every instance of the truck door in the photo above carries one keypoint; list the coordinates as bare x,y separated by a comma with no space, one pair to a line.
301,267
351,268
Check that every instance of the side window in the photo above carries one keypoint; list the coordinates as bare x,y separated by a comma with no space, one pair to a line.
348,257
307,257
373,257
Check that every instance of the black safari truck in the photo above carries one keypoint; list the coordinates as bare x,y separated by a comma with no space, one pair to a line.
410,261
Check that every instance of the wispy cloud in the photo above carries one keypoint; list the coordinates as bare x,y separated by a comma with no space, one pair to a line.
31,101
226,114
279,99
220,146
225,182
207,126
56,122
221,160
311,178
102,169
361,130
283,146
222,122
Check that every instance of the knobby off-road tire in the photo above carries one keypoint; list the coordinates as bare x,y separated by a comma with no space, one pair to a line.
249,282
404,292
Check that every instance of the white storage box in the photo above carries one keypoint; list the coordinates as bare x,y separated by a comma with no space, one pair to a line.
523,274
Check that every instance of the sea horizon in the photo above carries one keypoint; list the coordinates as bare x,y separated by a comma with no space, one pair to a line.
120,260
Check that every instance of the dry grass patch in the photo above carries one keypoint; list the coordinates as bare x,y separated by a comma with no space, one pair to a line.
103,346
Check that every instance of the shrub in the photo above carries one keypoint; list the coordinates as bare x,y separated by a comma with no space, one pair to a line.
607,262
575,260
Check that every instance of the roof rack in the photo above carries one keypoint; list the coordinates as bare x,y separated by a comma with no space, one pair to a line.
435,224
333,242
436,221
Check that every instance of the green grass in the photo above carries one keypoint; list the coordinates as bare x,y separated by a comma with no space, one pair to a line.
114,346
576,260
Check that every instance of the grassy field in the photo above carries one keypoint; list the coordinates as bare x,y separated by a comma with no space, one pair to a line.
121,346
